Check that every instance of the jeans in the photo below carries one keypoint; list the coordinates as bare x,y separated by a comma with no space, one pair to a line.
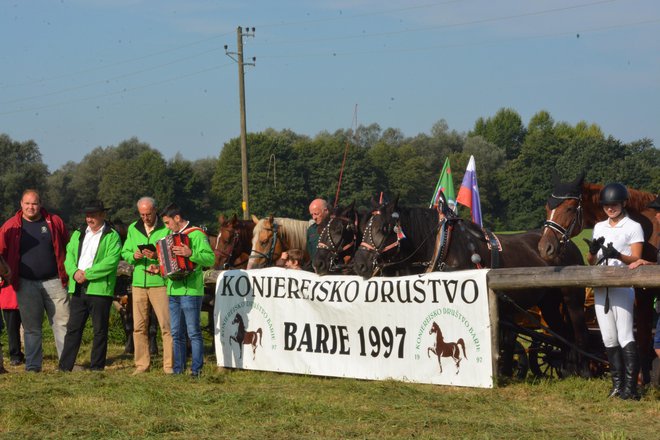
185,318
34,297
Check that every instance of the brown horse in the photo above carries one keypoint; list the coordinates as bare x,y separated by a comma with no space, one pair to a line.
272,236
243,337
445,349
574,206
234,242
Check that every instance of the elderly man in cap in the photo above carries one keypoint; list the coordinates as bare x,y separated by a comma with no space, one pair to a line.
91,261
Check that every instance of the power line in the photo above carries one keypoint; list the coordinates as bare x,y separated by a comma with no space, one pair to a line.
107,80
116,92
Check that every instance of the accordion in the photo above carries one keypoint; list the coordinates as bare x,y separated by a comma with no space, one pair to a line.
175,267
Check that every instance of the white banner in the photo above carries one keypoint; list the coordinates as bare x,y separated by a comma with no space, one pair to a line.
431,328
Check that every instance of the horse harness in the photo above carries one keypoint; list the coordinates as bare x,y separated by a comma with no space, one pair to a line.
336,249
445,230
565,233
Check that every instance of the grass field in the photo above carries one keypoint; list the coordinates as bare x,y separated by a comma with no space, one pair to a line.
234,404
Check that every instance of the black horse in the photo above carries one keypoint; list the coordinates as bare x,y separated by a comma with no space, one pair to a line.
396,240
339,238
412,240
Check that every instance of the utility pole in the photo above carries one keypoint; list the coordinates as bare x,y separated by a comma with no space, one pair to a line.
241,92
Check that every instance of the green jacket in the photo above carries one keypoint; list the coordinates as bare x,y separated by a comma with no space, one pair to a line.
102,275
137,234
202,256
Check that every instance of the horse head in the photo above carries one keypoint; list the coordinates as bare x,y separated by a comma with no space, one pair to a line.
564,217
227,241
435,328
339,237
381,235
266,243
238,320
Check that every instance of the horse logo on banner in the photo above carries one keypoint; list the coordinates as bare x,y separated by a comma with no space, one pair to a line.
446,349
243,337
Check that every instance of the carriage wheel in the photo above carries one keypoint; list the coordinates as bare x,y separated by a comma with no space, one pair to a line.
545,359
520,361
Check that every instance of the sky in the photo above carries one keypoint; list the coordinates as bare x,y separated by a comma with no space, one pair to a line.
81,74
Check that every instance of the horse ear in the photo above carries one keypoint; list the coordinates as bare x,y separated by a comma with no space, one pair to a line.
221,219
580,179
555,179
374,204
395,203
270,219
255,219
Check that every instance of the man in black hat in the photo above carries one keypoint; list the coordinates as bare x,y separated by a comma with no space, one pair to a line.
92,256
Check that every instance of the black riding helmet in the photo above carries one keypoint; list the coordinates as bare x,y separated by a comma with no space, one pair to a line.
613,193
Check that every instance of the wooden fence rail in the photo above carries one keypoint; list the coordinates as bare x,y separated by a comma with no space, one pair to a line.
560,276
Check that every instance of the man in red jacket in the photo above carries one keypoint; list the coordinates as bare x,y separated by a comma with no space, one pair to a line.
34,244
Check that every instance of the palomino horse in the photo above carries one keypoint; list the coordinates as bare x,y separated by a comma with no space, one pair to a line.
574,206
243,337
445,349
272,236
233,244
395,240
340,235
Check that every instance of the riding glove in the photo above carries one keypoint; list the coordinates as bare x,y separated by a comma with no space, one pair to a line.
595,245
611,252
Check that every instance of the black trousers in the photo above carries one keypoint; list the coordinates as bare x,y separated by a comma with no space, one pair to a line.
81,307
12,319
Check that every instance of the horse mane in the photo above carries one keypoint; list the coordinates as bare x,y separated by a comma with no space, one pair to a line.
638,200
421,223
294,232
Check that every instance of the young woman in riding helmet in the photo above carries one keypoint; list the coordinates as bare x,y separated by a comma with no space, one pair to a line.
617,241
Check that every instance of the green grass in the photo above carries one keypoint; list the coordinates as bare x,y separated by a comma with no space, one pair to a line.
236,404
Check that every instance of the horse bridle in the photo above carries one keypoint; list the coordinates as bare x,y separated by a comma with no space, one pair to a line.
369,244
232,247
268,256
565,233
337,249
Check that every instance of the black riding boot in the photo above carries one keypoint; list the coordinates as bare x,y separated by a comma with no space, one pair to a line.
631,364
615,357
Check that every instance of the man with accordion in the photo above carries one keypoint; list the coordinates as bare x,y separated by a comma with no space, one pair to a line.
182,255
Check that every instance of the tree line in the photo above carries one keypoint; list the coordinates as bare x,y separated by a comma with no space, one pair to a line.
286,170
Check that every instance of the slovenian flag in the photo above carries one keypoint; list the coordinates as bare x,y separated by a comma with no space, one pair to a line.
468,194
445,185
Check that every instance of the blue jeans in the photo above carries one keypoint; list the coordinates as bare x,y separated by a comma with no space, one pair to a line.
185,318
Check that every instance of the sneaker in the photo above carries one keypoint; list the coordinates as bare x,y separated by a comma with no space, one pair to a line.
138,371
15,362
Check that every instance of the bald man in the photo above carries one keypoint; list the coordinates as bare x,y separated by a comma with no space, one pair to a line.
318,209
